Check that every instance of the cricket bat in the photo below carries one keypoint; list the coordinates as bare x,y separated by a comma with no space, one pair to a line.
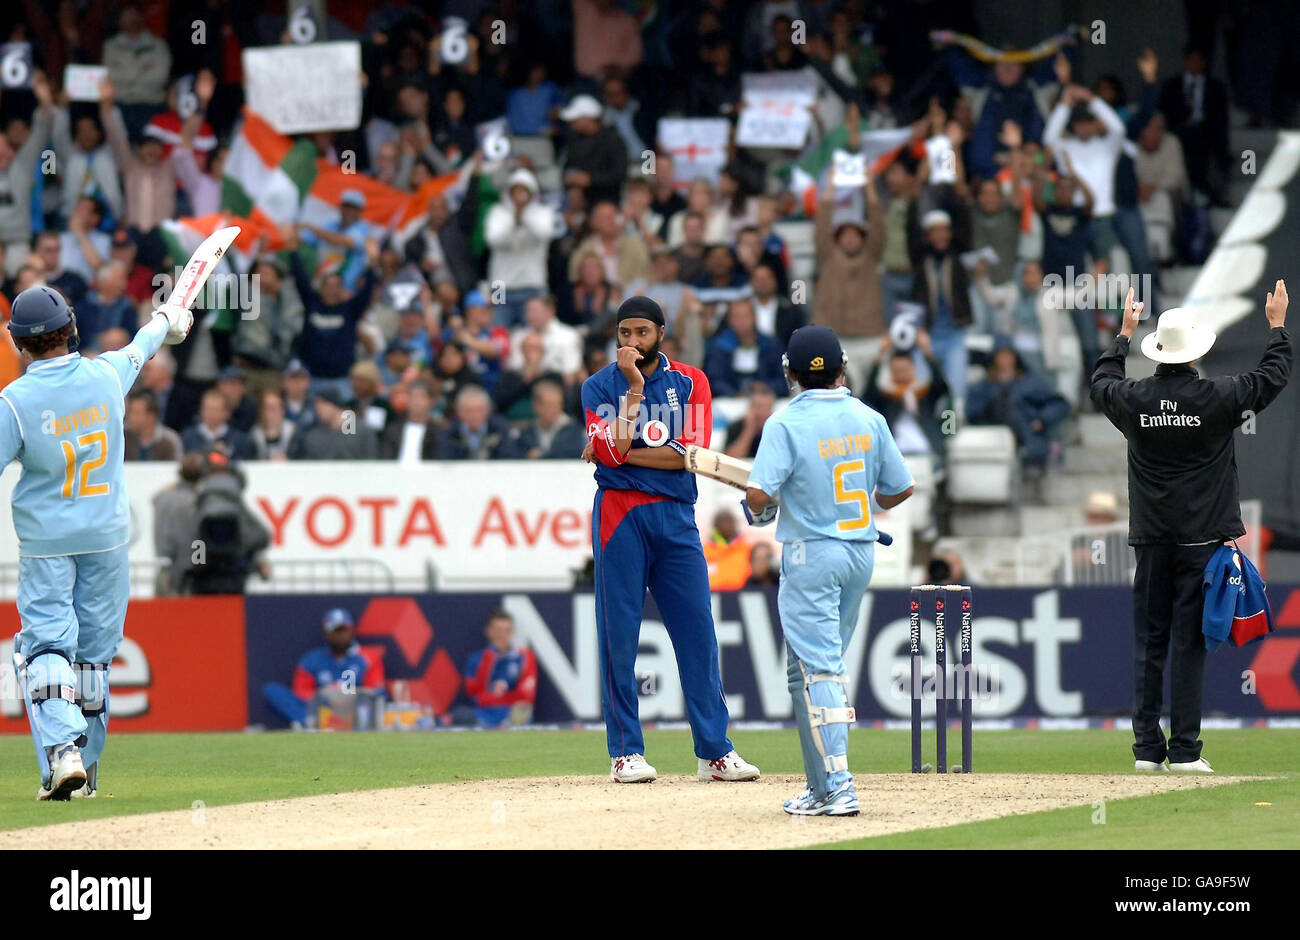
197,271
709,463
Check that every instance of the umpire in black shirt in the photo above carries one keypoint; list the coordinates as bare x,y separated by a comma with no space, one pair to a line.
1182,484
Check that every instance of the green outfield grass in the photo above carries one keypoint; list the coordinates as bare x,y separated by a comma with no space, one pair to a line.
156,772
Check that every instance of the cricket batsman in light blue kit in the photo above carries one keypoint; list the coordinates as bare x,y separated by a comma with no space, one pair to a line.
822,458
63,421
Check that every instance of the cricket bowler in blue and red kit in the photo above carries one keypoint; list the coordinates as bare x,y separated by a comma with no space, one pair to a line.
642,412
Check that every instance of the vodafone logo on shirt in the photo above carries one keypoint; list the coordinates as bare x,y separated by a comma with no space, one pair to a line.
655,434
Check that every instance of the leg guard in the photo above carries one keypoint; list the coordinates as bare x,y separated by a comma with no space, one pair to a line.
20,677
92,699
822,713
50,690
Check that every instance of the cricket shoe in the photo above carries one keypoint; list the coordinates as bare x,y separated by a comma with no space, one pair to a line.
631,768
842,802
1198,766
66,773
729,767
1150,767
88,790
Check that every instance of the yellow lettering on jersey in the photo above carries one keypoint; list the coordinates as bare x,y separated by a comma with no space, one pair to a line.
85,417
843,446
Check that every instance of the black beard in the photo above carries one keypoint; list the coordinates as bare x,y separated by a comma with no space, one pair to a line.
651,356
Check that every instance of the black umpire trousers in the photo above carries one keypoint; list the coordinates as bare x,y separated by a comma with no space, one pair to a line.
1167,603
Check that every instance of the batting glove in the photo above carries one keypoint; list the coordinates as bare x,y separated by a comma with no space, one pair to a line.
179,322
766,517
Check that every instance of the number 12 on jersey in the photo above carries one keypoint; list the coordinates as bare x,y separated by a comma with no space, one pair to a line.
853,497
71,478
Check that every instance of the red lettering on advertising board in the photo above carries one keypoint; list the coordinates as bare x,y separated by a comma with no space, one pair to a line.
377,505
421,521
494,522
565,521
345,529
277,520
566,526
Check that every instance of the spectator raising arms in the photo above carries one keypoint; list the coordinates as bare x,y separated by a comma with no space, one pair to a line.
17,167
848,298
327,344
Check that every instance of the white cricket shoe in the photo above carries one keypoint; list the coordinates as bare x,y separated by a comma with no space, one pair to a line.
1150,767
66,773
631,768
729,767
90,788
1198,766
803,801
842,802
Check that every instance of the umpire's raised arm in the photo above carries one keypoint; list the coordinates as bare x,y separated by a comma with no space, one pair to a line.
1253,391
1108,382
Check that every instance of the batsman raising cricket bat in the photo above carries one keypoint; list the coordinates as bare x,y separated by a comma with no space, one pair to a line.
63,420
643,412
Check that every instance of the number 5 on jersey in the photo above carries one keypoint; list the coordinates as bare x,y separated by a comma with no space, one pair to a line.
77,485
858,498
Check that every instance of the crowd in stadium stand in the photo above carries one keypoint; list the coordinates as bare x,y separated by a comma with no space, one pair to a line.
468,335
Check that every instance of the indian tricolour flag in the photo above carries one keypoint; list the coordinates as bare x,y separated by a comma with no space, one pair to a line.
272,180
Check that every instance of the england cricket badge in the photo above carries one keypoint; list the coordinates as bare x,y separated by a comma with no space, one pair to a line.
655,434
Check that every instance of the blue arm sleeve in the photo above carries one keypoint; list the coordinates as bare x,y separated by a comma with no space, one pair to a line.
775,460
894,476
130,359
11,433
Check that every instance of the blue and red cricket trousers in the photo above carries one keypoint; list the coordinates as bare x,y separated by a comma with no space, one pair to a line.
644,541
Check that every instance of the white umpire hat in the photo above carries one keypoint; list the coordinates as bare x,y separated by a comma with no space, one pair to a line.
1178,338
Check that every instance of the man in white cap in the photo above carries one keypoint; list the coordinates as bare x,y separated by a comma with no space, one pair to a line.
595,158
518,231
1182,480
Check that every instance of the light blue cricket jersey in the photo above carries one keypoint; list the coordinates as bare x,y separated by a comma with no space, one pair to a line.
63,421
823,456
